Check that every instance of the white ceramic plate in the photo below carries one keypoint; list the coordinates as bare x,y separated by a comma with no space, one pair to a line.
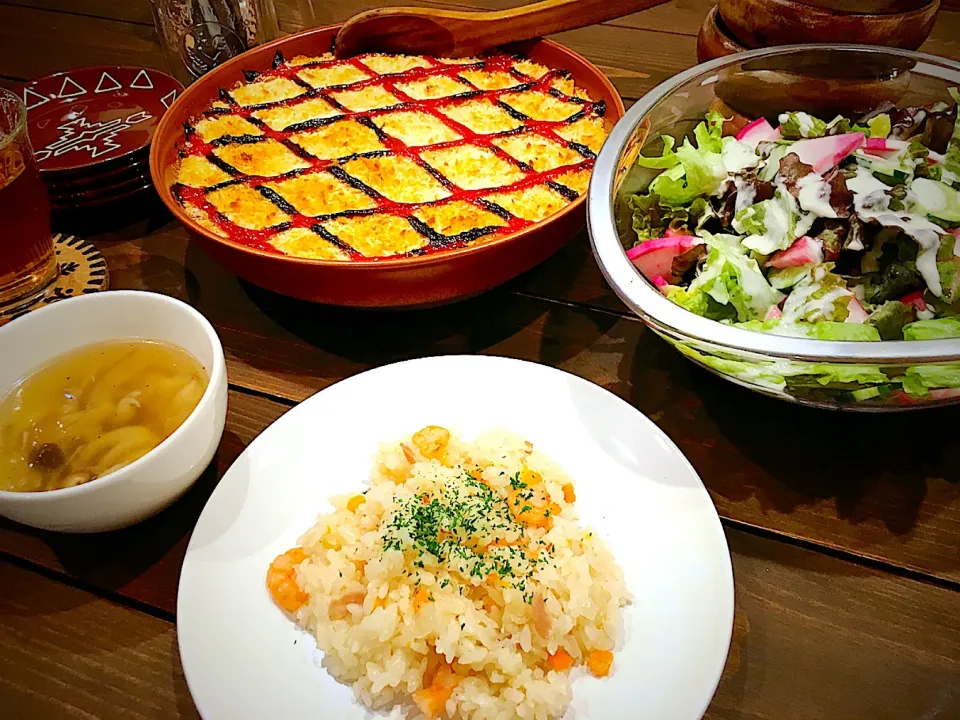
244,659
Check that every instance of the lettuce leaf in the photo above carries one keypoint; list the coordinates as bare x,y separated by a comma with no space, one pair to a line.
948,327
690,171
668,158
879,126
824,330
652,218
952,161
731,277
920,378
769,225
796,125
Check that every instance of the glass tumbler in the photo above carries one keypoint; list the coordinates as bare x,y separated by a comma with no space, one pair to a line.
28,262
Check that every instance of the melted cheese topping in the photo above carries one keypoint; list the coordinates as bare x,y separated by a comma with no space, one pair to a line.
197,171
541,106
435,86
280,118
481,116
368,98
487,80
266,91
367,149
397,178
577,180
376,236
473,168
267,158
330,76
533,203
589,131
301,242
537,151
393,64
457,216
321,194
246,207
308,59
531,69
218,126
337,140
415,128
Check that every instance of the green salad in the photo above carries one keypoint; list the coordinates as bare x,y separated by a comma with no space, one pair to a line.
835,229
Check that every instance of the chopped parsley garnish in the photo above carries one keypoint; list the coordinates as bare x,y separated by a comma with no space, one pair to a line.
461,526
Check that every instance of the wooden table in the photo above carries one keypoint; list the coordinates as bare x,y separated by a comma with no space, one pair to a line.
844,530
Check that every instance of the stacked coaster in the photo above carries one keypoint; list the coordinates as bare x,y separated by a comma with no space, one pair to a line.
91,130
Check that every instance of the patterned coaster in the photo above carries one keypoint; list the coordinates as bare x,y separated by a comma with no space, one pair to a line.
81,270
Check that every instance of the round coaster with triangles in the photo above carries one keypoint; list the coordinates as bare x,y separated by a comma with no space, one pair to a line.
81,271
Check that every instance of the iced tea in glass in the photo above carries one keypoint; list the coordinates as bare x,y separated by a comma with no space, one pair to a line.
28,263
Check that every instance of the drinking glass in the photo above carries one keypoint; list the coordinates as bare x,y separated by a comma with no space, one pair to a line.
28,263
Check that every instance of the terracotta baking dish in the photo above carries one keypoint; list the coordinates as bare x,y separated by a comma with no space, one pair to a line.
409,281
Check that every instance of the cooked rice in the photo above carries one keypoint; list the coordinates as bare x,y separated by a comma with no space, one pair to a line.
387,618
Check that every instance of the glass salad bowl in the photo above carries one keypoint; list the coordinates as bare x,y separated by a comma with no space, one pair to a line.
823,81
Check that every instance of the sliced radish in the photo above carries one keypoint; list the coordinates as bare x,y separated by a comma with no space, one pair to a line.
856,313
934,394
661,282
654,258
774,313
824,153
915,299
670,232
883,146
757,132
804,251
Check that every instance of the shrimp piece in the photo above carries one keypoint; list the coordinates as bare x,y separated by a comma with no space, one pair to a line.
282,580
541,619
338,608
531,506
431,441
432,699
408,453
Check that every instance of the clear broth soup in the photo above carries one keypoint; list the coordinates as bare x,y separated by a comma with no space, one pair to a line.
93,411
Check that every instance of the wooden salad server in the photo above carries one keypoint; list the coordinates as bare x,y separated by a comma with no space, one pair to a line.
450,33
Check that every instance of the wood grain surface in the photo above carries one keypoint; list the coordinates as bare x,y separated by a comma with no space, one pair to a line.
845,536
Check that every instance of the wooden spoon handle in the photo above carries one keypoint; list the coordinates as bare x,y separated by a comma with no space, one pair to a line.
453,32
553,16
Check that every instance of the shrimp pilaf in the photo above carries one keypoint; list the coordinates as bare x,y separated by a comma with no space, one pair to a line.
459,584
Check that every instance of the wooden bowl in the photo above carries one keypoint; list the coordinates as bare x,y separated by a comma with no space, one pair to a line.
714,39
432,279
762,23
877,7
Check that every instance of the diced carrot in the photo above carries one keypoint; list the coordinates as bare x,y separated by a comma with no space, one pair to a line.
420,598
530,477
379,603
432,699
599,661
425,499
355,502
408,453
561,660
489,604
569,496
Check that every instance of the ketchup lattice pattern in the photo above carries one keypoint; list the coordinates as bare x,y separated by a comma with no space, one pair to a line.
386,155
